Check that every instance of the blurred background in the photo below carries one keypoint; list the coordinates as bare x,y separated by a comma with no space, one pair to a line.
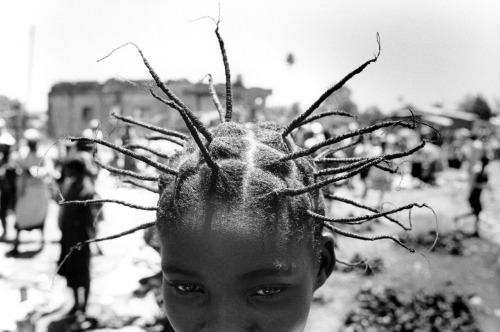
439,59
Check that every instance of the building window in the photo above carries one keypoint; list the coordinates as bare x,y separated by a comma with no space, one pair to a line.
87,113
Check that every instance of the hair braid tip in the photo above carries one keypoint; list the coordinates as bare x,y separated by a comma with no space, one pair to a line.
227,70
145,148
299,119
366,238
127,152
150,127
215,98
100,201
140,185
164,138
125,172
79,245
163,87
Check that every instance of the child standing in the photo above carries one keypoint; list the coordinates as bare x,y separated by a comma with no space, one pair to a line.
478,181
77,224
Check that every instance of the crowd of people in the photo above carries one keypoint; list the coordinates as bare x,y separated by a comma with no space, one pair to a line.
469,151
29,180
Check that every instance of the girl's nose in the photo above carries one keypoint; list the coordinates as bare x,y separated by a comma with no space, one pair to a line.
228,318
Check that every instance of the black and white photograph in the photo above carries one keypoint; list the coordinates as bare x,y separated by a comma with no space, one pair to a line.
250,166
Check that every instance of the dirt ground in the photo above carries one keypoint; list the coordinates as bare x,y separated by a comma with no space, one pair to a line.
475,274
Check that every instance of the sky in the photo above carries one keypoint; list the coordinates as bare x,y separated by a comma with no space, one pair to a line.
433,51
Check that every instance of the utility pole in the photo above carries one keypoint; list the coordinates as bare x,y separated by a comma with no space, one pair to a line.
22,109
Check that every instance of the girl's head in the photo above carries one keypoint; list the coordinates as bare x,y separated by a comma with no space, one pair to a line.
236,255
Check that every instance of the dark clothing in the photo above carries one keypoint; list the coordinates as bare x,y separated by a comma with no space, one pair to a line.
475,194
77,224
7,185
7,193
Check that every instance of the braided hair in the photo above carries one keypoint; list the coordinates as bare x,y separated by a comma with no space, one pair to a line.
244,186
254,171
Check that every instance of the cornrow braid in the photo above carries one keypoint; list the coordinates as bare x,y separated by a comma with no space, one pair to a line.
151,127
248,169
100,201
324,114
127,152
359,205
215,98
148,149
141,185
194,133
176,102
367,238
164,138
361,161
229,93
344,136
329,151
125,172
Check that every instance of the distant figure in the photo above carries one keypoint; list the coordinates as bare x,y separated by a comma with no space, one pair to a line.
7,177
479,180
95,128
33,193
127,138
364,149
77,224
378,180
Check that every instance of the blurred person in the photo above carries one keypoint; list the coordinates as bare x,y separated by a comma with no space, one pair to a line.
378,180
474,150
33,193
363,149
127,138
479,181
86,151
7,176
95,127
77,224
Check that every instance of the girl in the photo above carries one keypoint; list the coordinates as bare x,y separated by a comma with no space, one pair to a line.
244,239
77,224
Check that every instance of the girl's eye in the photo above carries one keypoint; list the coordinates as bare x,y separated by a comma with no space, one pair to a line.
269,291
187,288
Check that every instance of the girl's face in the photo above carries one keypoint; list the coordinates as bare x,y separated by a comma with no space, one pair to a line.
228,280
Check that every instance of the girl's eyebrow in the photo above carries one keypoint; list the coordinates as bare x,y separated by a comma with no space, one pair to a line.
172,269
282,271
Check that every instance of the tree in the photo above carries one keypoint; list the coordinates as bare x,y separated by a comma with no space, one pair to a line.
477,105
340,101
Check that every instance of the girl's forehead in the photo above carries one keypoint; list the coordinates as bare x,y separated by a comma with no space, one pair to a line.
238,251
226,236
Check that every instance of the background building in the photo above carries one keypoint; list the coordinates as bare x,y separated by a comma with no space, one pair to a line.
73,105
